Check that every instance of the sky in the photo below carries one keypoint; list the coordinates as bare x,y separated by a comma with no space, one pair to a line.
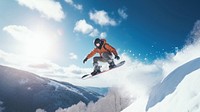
54,36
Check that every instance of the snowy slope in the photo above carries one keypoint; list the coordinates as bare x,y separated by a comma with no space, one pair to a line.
186,97
21,91
178,92
170,83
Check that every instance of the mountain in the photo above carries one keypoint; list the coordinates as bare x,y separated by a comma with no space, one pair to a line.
102,91
21,91
178,92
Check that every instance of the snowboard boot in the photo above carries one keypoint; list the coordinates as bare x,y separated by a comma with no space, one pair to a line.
95,72
96,69
112,65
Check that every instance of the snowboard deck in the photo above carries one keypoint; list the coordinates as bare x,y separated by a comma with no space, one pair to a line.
90,75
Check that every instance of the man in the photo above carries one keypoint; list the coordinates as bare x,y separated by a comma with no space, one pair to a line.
105,51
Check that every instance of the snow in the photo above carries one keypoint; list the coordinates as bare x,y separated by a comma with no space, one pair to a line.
29,88
1,108
58,85
175,93
138,105
185,98
170,83
23,81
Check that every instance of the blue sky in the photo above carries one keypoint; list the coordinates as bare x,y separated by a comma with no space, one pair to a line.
61,32
148,30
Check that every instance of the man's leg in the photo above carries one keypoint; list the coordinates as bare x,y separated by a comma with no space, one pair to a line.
96,65
108,58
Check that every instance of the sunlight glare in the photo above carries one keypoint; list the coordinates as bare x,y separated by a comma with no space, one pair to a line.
39,46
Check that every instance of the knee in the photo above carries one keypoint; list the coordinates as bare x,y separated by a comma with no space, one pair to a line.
95,59
106,55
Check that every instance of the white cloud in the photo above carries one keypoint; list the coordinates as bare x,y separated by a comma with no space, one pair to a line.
76,70
69,2
20,33
50,9
122,13
40,65
94,33
195,33
83,27
35,43
3,55
101,18
103,35
73,56
77,6
35,65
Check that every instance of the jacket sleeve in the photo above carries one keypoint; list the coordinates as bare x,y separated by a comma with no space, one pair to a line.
111,49
91,54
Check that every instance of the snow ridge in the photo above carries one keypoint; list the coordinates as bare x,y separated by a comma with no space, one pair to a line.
169,84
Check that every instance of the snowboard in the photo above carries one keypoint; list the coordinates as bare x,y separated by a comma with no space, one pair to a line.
90,75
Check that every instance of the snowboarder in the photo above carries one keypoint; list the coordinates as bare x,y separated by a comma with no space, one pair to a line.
105,51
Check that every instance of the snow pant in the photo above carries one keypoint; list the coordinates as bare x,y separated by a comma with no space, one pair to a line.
105,57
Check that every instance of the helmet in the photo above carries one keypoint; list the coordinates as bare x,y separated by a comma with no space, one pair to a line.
98,42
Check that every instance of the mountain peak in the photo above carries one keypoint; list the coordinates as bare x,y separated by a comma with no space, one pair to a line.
25,92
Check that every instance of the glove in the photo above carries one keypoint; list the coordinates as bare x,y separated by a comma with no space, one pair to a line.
85,60
117,57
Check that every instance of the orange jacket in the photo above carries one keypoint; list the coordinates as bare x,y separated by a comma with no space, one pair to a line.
105,48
